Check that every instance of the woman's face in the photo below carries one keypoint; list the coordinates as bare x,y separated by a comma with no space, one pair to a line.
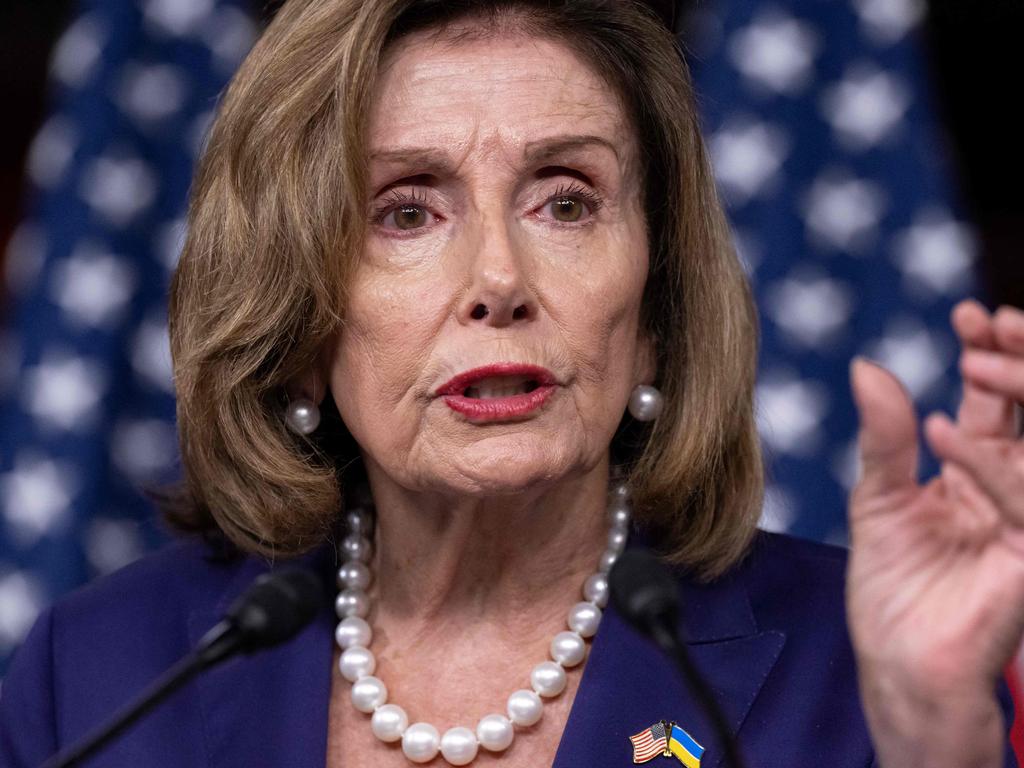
492,333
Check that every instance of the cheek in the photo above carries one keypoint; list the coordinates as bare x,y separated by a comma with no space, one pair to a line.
597,307
382,350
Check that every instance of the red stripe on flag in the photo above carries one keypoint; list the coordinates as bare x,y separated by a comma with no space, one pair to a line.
1015,678
645,747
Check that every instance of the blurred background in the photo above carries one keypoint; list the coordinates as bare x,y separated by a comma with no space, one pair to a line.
868,152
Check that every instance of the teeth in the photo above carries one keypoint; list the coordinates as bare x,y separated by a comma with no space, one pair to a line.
486,393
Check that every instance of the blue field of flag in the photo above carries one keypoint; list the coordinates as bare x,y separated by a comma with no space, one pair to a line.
683,746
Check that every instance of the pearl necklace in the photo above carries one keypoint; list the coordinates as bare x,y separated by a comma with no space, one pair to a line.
459,745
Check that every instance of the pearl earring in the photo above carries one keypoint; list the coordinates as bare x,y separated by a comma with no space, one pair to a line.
645,403
302,416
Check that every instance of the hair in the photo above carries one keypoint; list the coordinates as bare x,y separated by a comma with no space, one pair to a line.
277,219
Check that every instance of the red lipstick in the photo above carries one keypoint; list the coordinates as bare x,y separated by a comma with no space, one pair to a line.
472,393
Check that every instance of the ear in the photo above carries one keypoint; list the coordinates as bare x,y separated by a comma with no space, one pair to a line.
314,382
646,363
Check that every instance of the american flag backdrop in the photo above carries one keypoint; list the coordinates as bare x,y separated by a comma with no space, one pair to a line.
822,129
86,408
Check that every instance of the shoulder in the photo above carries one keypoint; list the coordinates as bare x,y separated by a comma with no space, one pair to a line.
794,583
173,581
134,621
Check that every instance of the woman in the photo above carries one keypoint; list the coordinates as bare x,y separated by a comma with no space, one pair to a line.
436,251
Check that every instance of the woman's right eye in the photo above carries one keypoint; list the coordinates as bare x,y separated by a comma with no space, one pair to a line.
402,212
406,217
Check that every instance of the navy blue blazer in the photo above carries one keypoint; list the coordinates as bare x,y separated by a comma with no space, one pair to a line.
770,638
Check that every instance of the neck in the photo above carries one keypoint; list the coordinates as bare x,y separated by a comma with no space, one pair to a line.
439,559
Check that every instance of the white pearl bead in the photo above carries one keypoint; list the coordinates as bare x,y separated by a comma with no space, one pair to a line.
368,693
353,575
645,403
525,707
568,649
357,520
356,547
617,538
595,589
619,495
548,679
389,722
356,662
351,602
353,631
494,732
619,515
420,742
584,619
302,416
459,745
607,560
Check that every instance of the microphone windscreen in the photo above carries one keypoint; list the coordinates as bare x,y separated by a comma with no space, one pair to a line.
276,607
642,588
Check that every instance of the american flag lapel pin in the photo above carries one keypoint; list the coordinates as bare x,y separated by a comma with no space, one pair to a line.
650,743
667,739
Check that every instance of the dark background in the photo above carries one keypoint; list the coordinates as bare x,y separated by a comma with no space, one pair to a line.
974,51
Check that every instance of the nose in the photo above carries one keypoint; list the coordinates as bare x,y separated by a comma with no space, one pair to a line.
499,293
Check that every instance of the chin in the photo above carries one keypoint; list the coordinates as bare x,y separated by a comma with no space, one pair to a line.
507,472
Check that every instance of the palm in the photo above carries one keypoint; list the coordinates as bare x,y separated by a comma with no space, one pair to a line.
936,577
933,590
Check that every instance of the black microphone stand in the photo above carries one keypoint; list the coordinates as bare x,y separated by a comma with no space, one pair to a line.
218,644
645,593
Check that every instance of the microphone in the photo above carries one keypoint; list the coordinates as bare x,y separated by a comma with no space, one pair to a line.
271,611
645,593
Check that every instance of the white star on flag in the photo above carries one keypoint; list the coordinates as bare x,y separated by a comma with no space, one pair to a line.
790,411
64,391
886,21
119,188
866,106
91,286
36,496
746,155
917,356
843,212
775,51
176,17
810,309
21,599
936,255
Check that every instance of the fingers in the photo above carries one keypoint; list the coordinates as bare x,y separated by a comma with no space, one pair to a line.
888,429
996,372
1009,329
996,465
983,410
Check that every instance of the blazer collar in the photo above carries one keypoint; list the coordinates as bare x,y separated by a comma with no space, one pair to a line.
628,684
271,709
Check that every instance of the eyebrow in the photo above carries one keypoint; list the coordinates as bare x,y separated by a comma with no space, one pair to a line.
534,151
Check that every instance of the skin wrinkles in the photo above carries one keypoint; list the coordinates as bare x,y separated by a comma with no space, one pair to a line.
486,531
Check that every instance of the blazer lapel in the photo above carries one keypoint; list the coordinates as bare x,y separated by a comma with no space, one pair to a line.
269,708
628,684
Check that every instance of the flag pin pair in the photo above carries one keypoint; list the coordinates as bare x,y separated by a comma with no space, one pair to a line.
668,739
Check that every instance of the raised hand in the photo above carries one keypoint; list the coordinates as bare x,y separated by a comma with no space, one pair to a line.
936,578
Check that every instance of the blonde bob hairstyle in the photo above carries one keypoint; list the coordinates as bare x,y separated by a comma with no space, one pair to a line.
276,221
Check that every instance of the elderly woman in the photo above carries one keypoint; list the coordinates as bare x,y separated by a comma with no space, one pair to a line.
458,314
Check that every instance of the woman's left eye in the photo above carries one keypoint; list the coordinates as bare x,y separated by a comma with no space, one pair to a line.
569,203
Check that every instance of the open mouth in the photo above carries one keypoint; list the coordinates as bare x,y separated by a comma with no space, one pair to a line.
499,392
500,386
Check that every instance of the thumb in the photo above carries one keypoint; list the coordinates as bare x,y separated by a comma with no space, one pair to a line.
888,429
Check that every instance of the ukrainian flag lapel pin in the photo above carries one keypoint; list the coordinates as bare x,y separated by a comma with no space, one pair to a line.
684,746
666,738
